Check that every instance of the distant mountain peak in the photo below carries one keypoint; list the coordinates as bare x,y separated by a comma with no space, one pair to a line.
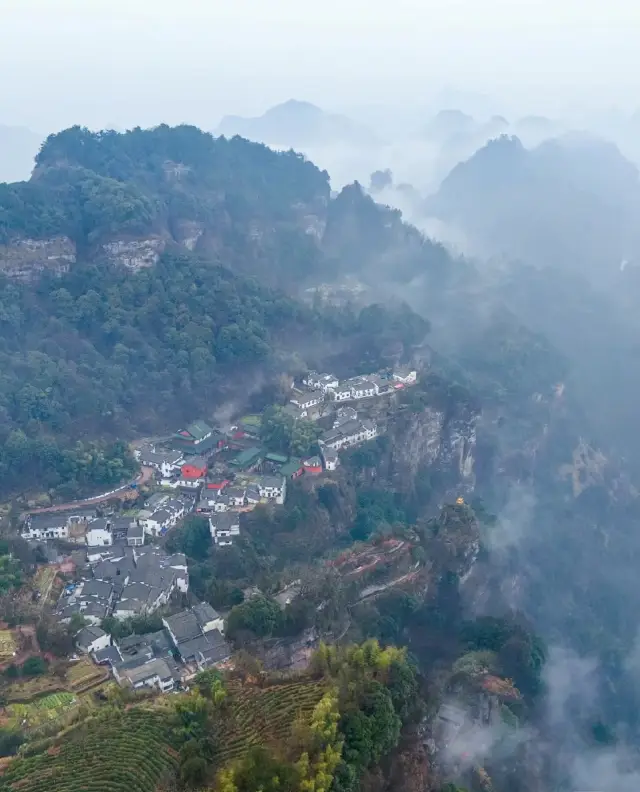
296,124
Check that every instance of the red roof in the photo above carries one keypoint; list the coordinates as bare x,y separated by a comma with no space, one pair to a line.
192,472
217,485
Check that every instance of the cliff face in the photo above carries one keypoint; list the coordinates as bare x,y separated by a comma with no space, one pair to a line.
26,259
135,253
436,445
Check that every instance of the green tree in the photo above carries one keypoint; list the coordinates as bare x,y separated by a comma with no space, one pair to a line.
259,616
34,666
193,538
279,431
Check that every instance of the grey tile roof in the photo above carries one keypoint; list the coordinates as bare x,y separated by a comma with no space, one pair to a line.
100,523
211,646
87,635
109,654
224,521
275,482
184,626
205,613
96,609
96,588
43,522
161,516
158,667
135,531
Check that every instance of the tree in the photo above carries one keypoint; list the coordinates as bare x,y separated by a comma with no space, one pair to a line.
193,538
193,771
34,666
10,741
54,637
259,615
279,431
76,623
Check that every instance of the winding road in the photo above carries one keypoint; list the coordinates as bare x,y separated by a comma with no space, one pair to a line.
125,492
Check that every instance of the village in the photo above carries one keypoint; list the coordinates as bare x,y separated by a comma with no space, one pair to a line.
121,569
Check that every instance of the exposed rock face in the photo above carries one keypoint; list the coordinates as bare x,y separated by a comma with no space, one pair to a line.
135,254
26,259
432,440
188,233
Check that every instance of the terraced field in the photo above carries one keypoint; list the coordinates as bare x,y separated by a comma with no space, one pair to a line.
264,715
122,751
41,710
84,675
27,689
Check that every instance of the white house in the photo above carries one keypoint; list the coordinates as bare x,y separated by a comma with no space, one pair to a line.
178,563
92,639
208,618
164,517
235,496
362,388
99,533
330,458
349,434
323,382
135,535
370,429
155,673
159,522
406,375
344,415
342,393
192,623
165,462
273,488
46,526
223,527
304,400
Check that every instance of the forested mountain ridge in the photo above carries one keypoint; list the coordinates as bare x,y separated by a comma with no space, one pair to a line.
126,198
571,202
134,331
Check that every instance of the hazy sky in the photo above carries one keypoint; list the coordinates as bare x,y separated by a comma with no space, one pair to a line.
142,61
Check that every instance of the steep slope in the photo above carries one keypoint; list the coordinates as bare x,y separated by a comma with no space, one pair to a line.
564,546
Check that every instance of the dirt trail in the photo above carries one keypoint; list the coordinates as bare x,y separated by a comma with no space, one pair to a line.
125,492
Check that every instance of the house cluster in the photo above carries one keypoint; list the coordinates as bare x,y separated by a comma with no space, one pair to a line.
122,581
321,387
348,434
189,642
161,513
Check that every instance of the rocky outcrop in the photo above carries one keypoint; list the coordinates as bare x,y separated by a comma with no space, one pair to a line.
134,254
188,233
26,259
434,440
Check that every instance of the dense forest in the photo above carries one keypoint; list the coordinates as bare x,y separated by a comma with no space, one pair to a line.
89,185
110,353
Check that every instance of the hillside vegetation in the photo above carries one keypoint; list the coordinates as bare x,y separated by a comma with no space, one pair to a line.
309,732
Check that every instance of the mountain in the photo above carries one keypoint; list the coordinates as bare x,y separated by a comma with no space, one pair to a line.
155,275
570,202
18,149
296,124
